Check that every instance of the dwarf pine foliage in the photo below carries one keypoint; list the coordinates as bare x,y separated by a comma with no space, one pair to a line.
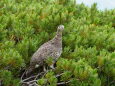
88,57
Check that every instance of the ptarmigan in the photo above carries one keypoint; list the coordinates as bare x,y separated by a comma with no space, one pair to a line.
52,48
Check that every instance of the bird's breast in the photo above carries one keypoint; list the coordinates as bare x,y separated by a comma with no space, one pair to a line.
56,53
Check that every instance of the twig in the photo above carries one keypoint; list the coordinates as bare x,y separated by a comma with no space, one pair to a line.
112,82
0,82
28,78
29,82
38,75
59,75
45,73
7,67
32,81
35,84
23,75
61,83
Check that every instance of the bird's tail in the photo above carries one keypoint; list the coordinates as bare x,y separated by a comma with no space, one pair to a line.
29,71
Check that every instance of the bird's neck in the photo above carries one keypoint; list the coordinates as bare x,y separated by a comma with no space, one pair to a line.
57,40
58,35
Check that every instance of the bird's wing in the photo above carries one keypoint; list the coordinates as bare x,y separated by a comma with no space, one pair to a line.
42,53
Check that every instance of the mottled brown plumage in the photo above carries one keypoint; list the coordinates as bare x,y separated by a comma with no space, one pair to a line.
52,48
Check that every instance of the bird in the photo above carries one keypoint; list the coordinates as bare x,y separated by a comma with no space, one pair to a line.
51,49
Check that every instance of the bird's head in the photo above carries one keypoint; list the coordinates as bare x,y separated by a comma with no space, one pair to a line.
60,28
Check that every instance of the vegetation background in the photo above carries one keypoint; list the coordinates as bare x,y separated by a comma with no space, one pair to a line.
88,57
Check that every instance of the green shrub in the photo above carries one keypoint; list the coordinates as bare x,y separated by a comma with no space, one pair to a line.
88,57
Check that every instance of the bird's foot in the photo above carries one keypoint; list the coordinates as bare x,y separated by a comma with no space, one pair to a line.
36,66
52,66
44,68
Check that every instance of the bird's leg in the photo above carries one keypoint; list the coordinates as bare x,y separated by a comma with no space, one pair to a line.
29,70
52,66
44,68
37,65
